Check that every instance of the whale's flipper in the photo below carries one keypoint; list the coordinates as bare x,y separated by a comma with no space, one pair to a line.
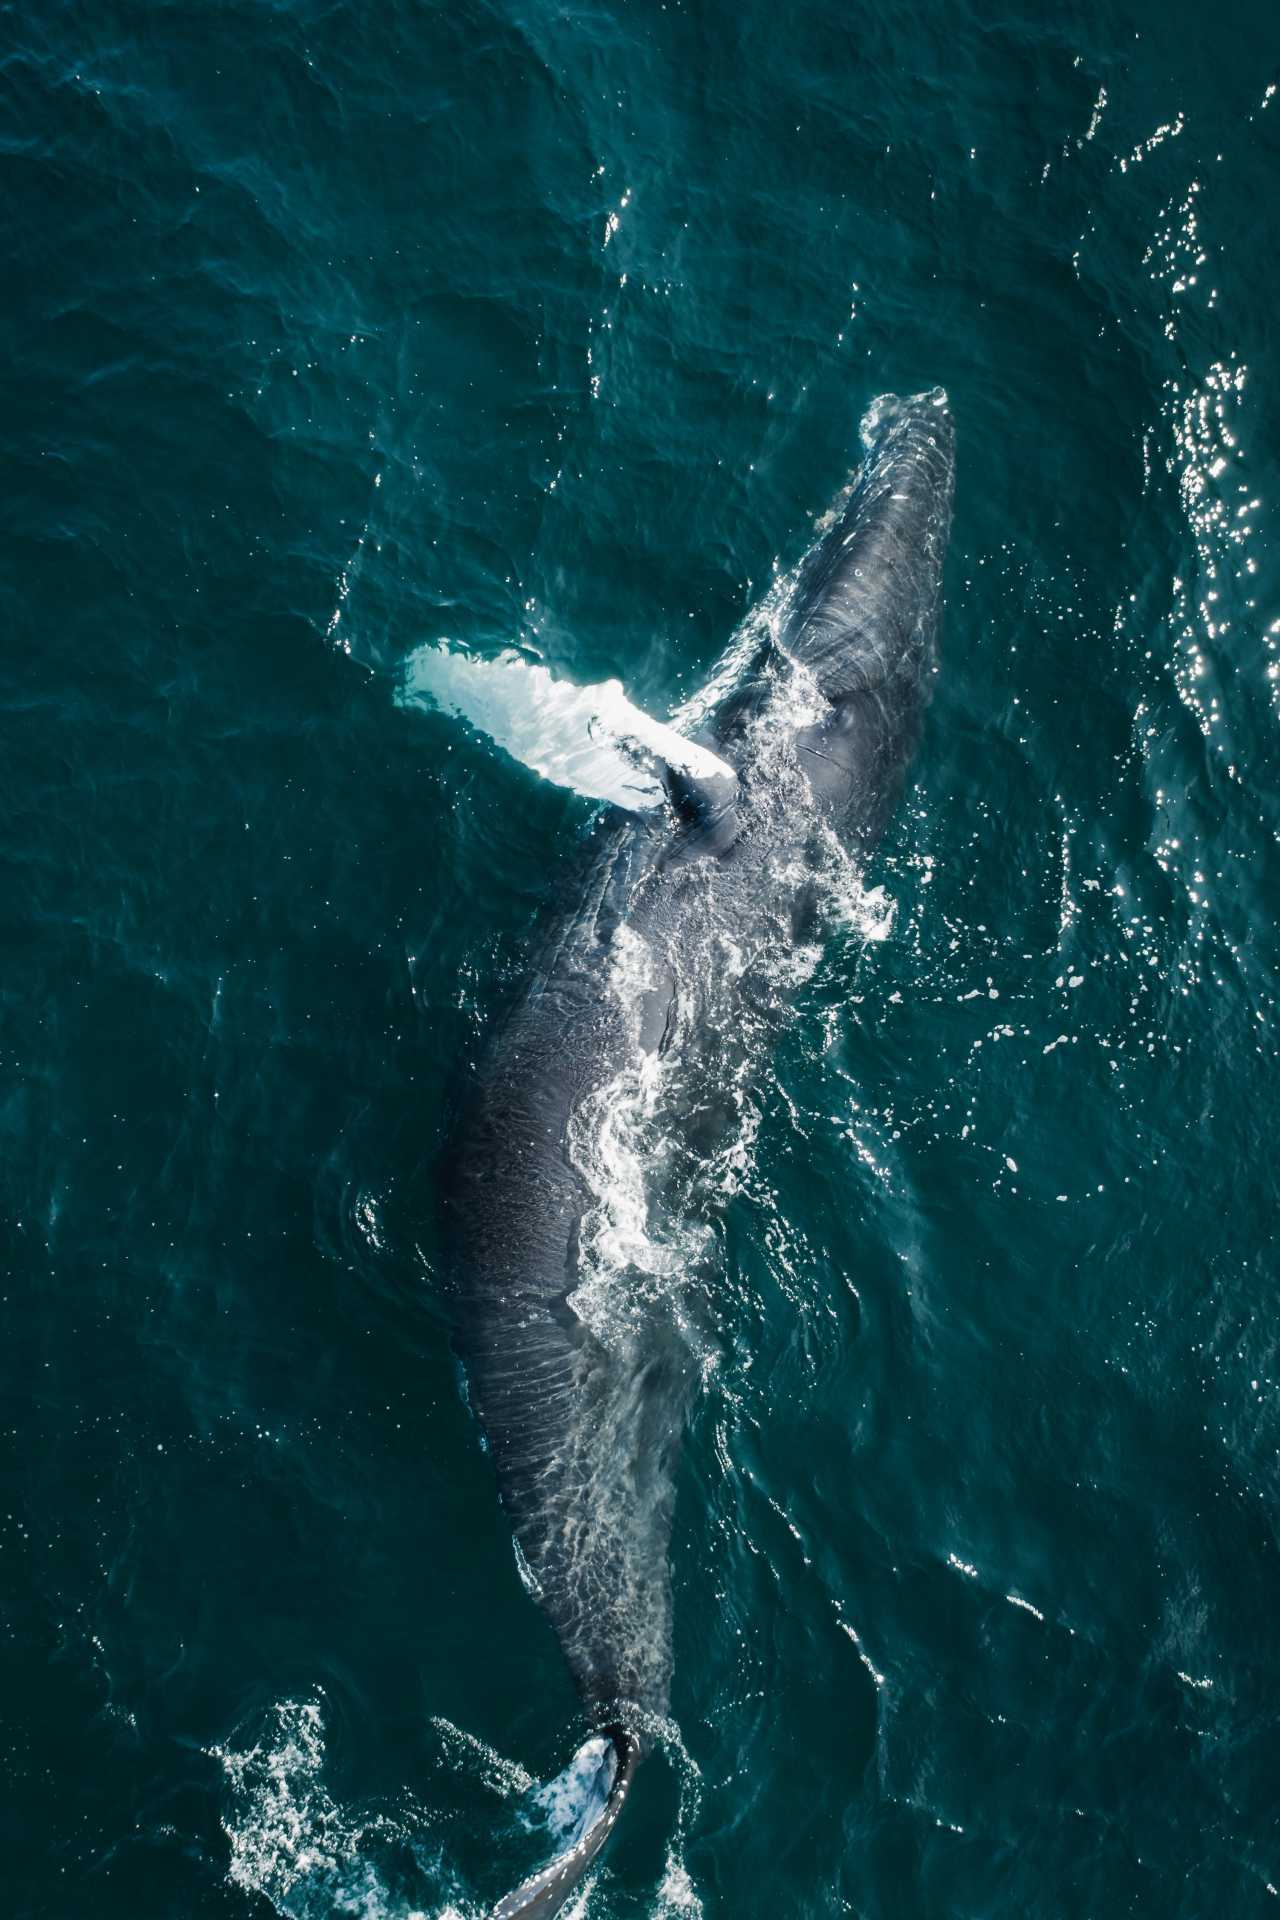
590,739
700,799
611,1758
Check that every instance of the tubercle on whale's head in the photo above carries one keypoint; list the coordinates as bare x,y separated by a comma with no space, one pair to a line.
892,410
908,441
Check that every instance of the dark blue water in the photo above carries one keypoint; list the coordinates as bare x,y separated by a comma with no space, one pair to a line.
330,331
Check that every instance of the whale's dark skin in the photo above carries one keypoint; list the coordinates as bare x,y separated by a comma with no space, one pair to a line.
583,1421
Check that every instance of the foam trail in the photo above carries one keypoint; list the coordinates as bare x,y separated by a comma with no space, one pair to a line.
298,1851
589,739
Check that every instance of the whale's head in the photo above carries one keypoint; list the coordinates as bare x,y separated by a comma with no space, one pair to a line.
865,609
863,621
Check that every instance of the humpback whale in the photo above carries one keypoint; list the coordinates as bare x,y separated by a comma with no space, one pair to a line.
649,996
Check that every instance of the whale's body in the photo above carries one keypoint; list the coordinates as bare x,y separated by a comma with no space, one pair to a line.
652,995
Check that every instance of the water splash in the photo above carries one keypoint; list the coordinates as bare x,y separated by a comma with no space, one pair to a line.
291,1842
310,1858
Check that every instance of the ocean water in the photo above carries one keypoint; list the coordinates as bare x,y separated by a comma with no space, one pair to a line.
331,333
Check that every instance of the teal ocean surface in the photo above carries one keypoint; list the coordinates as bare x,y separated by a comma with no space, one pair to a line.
334,331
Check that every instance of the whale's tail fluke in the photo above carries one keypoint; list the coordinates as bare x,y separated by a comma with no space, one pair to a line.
605,1764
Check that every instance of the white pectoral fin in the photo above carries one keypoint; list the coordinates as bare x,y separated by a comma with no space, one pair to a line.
590,739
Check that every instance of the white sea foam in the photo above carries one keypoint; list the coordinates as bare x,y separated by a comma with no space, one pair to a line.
311,1858
677,1897
731,969
291,1842
466,1753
